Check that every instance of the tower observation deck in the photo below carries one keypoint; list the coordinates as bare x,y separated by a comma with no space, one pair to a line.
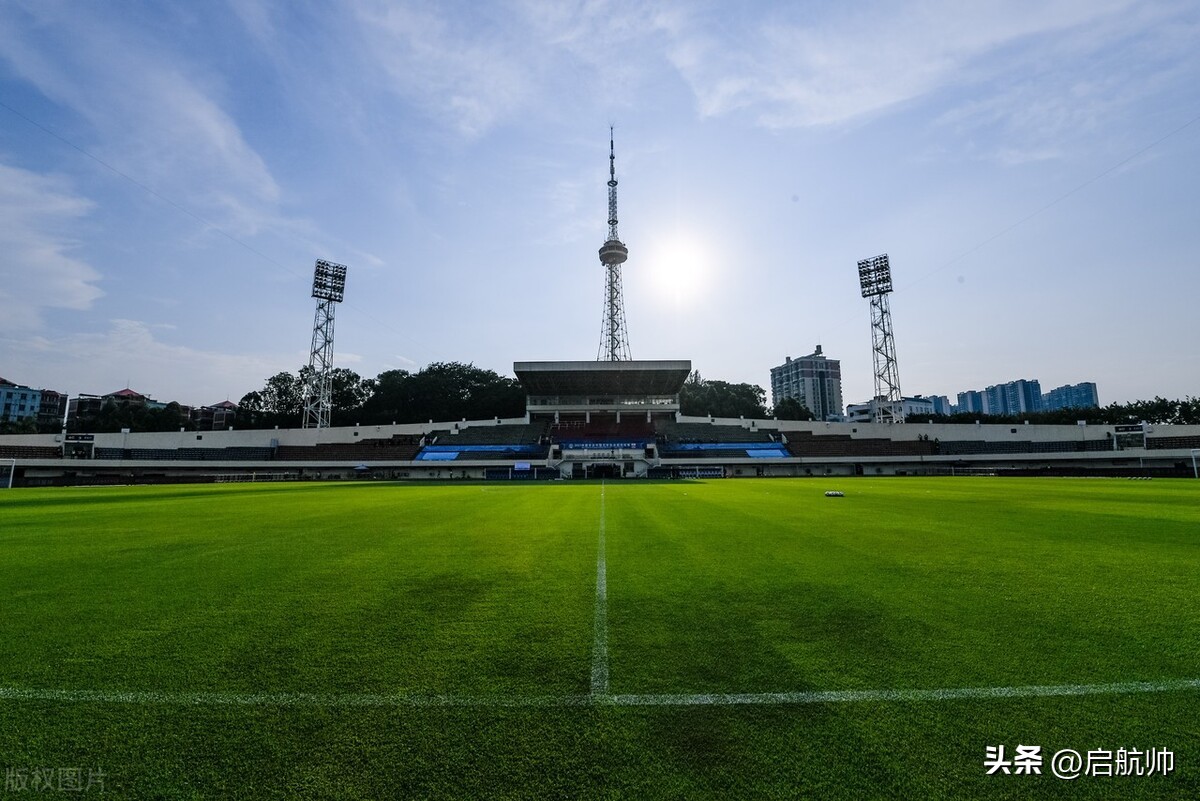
614,339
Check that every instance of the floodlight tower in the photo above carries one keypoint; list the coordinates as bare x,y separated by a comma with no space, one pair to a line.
875,278
329,285
614,339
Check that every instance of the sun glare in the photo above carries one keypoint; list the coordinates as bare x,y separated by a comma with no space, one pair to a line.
678,267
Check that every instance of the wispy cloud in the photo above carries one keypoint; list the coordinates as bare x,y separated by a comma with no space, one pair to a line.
859,60
1079,85
480,65
39,270
131,351
463,74
152,114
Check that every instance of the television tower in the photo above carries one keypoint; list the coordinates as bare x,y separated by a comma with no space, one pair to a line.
329,285
614,339
875,278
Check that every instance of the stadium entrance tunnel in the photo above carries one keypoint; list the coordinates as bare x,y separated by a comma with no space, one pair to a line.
604,469
607,470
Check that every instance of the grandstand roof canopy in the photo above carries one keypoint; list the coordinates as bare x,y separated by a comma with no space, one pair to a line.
603,378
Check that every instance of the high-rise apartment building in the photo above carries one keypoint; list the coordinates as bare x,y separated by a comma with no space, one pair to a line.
1072,396
814,380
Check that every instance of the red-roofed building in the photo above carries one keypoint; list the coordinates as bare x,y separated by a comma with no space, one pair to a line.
218,417
84,411
128,394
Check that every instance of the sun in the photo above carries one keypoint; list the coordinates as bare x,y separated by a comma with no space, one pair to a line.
677,267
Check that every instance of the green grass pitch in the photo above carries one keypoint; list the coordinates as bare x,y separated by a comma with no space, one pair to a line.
374,640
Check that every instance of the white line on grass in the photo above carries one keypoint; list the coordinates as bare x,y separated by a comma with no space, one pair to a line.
600,643
866,696
328,700
305,700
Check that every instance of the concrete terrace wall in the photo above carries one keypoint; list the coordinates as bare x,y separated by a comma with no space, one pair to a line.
1001,432
31,440
351,434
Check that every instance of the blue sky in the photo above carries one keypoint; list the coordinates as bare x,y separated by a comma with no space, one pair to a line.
170,171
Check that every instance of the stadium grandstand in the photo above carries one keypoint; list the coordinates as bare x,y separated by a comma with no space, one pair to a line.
591,420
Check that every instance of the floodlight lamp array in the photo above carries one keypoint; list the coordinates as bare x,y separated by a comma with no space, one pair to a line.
329,281
875,276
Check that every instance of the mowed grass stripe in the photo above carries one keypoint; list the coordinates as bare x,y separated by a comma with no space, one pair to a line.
768,586
361,588
138,614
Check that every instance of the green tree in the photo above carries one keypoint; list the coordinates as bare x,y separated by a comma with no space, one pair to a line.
278,403
349,392
700,397
791,409
26,425
441,391
389,400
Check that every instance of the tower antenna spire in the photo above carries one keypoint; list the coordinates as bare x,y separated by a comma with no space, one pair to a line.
614,339
612,187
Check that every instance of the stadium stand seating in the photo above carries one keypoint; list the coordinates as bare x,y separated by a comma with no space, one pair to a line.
599,431
802,444
400,448
705,441
805,444
672,432
1167,443
29,452
531,434
488,443
187,454
975,447
446,453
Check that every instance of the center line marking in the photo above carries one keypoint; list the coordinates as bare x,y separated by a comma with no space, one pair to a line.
600,643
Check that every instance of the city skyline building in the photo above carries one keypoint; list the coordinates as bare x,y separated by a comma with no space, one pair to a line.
18,402
1072,396
869,412
1023,396
814,380
972,401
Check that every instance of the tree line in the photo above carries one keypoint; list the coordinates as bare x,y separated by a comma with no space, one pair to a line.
454,391
445,391
700,397
439,391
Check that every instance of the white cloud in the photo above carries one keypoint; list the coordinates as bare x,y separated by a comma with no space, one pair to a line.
470,78
129,351
862,60
155,117
1081,83
257,17
482,65
39,270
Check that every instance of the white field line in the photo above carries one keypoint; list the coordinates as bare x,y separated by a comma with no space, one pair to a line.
877,696
600,641
328,700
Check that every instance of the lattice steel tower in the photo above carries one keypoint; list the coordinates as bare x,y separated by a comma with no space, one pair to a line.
329,285
614,339
875,278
